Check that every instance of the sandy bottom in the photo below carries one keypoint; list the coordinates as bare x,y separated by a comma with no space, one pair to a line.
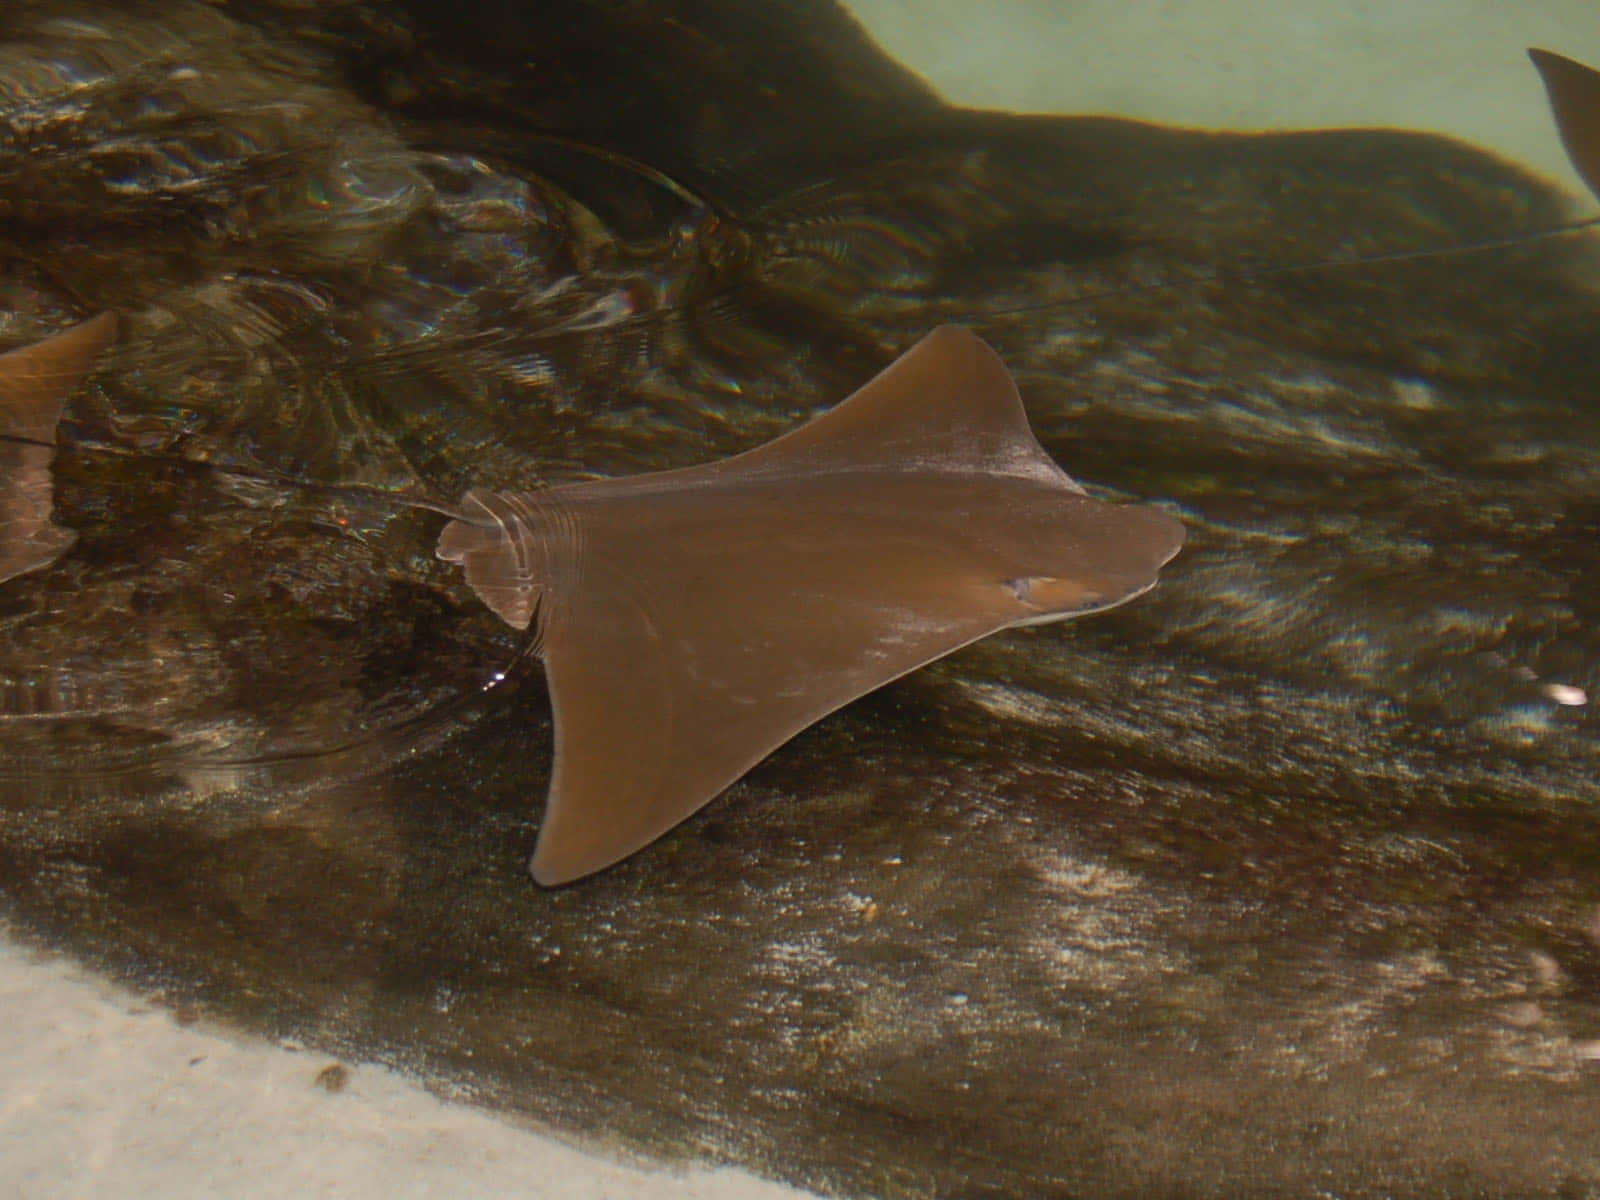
105,1095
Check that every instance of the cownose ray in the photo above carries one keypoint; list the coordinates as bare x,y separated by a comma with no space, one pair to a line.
1574,92
34,384
692,621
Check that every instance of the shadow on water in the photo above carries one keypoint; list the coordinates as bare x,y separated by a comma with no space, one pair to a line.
1283,877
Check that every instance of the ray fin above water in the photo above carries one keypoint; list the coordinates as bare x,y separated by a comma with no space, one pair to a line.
1574,91
692,621
35,382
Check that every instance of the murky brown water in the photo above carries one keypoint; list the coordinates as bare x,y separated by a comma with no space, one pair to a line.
1282,878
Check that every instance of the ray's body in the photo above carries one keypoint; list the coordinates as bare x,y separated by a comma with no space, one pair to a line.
692,621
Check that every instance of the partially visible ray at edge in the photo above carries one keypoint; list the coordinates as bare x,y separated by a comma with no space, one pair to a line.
35,382
1574,91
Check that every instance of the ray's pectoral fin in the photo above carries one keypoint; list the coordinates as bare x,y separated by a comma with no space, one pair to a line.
947,403
1574,91
34,384
661,702
612,788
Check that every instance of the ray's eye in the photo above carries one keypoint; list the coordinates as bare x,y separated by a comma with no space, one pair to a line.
1047,593
1022,589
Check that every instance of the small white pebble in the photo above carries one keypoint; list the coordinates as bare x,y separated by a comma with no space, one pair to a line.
1523,1015
1565,693
1415,393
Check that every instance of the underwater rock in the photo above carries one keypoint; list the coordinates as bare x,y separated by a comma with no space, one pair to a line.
1230,890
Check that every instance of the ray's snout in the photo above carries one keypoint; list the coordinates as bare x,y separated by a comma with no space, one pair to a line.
1112,565
1153,538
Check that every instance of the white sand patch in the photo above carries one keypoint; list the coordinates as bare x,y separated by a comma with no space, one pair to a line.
103,1095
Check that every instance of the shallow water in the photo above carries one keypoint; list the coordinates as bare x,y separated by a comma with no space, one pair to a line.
1282,877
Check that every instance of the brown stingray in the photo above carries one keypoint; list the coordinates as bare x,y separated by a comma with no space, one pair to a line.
1574,91
692,621
34,384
